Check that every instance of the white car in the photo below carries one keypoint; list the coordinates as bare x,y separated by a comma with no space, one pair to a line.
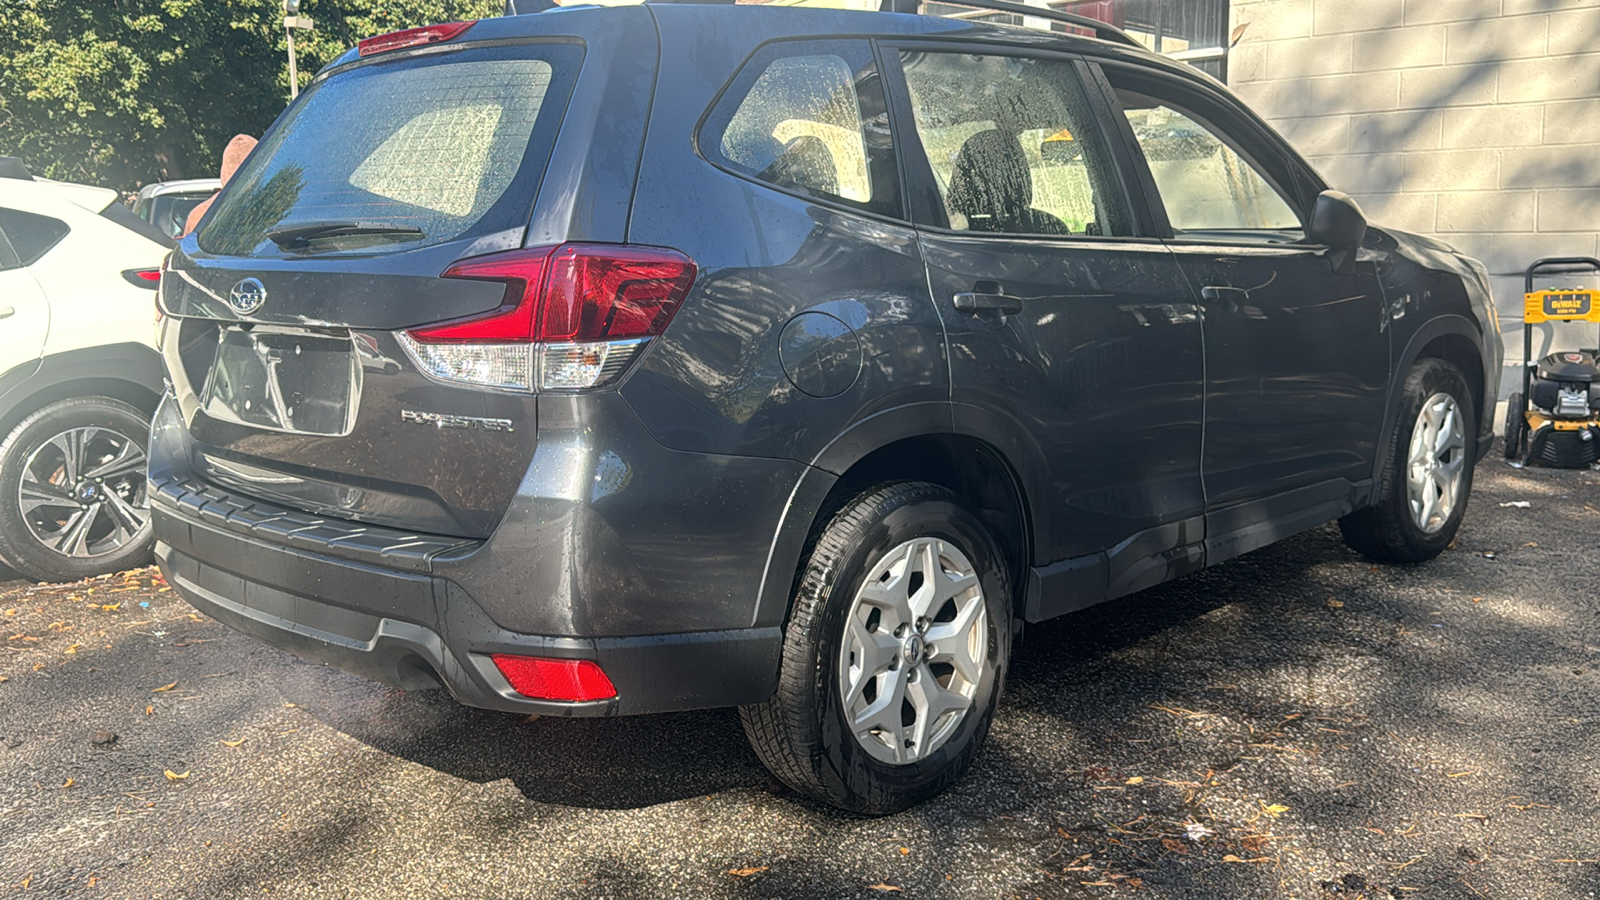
167,204
79,377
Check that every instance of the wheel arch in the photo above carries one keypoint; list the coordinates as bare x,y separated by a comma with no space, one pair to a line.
1456,340
131,373
991,465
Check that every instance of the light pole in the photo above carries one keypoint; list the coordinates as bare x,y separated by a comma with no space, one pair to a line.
292,20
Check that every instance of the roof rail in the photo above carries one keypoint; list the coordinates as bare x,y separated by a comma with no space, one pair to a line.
1102,30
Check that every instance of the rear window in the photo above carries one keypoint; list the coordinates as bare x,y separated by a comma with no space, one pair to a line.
446,145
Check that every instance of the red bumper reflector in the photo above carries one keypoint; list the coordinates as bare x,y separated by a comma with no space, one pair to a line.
571,680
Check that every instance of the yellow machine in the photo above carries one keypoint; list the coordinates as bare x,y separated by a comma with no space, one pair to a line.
1555,419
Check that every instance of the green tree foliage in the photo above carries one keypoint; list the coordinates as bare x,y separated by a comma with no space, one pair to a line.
126,92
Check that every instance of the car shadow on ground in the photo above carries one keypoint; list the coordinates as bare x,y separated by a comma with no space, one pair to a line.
639,761
617,763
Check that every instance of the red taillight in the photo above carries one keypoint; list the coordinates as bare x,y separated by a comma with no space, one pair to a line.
574,317
522,271
145,278
570,680
597,292
411,37
574,292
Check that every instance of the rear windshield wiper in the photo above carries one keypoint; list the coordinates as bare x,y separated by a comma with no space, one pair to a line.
297,235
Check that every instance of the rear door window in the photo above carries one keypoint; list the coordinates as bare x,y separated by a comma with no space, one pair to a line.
31,235
427,149
810,118
1013,145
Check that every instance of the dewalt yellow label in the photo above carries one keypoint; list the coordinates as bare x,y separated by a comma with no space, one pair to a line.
1568,305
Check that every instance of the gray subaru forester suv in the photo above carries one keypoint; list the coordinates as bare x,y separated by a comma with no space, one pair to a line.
605,361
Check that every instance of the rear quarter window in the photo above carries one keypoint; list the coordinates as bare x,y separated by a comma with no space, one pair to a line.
31,235
809,118
452,145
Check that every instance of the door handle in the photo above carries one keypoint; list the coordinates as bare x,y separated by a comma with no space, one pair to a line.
1220,293
987,295
7,312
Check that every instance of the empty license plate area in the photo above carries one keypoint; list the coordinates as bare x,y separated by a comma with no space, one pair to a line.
284,379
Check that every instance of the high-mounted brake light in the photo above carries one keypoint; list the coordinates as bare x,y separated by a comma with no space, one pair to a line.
573,317
570,680
411,37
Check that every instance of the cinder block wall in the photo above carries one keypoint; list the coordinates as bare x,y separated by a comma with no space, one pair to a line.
1476,121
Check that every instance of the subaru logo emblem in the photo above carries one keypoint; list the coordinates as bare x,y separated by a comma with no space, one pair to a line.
247,296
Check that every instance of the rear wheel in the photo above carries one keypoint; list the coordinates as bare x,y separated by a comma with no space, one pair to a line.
1427,476
1516,426
73,500
894,655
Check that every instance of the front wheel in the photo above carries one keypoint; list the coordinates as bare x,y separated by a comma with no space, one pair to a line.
894,655
1427,473
73,499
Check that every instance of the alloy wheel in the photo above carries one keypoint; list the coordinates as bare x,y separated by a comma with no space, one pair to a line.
915,645
83,492
1436,463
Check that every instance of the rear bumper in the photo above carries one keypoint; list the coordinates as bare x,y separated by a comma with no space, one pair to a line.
417,631
611,552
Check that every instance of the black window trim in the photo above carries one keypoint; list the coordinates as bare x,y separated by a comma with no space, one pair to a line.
924,204
1258,145
716,117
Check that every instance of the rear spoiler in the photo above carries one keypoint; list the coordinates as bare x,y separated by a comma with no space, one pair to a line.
11,167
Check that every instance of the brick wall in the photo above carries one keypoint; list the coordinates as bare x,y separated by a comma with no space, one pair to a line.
1477,121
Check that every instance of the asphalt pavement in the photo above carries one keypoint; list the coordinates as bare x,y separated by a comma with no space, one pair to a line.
1295,723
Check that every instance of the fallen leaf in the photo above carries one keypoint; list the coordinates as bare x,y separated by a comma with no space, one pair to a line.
1255,843
1175,846
746,873
1274,810
3,679
174,776
886,888
149,710
905,851
164,688
1137,779
233,743
1335,604
70,783
71,650
1477,599
111,607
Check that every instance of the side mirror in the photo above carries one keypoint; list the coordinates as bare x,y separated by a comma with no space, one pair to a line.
1338,224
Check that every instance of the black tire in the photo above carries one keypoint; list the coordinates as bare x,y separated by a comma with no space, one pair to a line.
1386,530
28,452
801,734
1516,426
